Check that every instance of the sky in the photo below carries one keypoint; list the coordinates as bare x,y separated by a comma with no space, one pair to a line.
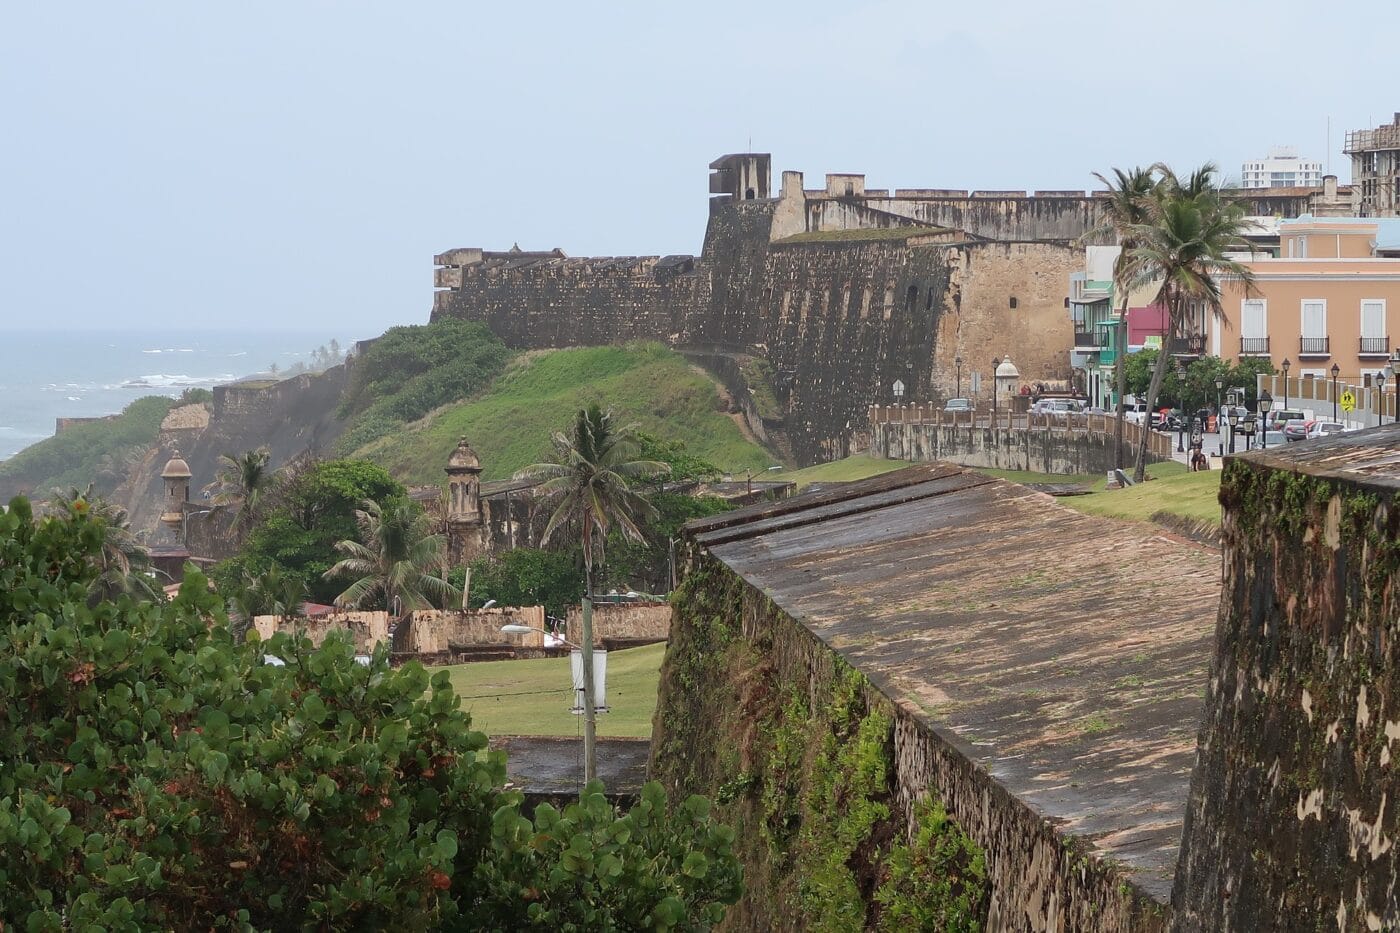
296,164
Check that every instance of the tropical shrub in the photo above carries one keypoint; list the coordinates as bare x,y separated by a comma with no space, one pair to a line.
154,774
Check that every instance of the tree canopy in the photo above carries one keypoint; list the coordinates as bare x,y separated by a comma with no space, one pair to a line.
157,774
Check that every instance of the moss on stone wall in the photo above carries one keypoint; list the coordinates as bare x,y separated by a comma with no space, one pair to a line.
797,751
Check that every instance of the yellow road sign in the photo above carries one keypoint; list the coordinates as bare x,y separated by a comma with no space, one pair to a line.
1348,400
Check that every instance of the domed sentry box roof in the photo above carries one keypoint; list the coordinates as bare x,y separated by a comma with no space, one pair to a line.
177,468
1007,369
463,459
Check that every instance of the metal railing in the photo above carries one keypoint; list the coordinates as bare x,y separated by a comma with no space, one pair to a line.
1192,345
1313,346
1085,339
1254,345
1375,346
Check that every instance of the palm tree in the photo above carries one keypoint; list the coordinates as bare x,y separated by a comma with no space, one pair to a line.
1128,206
241,484
272,592
589,485
123,563
398,560
1183,250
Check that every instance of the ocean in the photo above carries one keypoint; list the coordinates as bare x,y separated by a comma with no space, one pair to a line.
45,375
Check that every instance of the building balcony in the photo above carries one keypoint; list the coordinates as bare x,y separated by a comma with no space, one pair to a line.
1254,346
1375,346
1085,341
1190,345
1314,346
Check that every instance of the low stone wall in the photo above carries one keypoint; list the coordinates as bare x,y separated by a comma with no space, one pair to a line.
743,684
1033,449
367,629
434,631
624,622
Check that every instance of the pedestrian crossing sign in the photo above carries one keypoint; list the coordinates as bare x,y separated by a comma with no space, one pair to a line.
1348,401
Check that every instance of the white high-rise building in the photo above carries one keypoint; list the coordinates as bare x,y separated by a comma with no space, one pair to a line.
1282,168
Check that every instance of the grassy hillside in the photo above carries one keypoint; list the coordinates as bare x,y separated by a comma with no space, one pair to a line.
533,697
1189,495
97,451
510,423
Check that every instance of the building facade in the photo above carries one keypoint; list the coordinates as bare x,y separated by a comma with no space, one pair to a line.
1332,297
1281,168
1095,313
1375,168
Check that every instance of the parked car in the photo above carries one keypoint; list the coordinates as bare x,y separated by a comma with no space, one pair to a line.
1274,422
958,405
1326,428
1297,429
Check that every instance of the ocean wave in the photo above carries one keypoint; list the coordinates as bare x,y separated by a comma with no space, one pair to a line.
172,381
170,350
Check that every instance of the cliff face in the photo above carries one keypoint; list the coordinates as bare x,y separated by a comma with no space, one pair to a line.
290,417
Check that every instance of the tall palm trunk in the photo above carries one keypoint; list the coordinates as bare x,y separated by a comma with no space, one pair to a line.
1120,376
1159,373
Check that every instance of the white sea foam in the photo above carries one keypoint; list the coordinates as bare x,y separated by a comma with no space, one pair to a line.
172,380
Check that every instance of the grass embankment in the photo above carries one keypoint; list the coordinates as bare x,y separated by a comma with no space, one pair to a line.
532,697
95,451
854,467
510,423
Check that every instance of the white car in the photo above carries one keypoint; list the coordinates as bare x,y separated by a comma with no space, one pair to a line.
1325,429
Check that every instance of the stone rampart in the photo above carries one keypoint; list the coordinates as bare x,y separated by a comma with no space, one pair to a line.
623,622
368,630
1085,446
1292,821
434,631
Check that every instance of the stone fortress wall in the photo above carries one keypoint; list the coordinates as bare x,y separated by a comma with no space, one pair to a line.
797,280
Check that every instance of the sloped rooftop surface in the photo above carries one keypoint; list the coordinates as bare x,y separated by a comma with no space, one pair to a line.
1066,655
1371,457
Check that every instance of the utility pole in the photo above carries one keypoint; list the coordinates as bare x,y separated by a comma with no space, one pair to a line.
590,715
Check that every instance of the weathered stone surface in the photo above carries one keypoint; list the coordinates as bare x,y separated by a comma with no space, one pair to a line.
1049,698
1292,819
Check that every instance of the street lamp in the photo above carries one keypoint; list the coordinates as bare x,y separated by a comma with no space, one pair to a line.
996,361
1286,364
957,361
1336,370
1395,368
1266,404
590,710
1234,423
1181,396
898,389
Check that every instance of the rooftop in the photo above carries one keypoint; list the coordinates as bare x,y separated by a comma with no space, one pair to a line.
1026,635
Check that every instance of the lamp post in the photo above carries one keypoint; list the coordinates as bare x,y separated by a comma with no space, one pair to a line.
1384,375
1266,404
1181,397
1286,364
1336,370
957,361
1219,384
590,712
1234,420
1395,368
996,361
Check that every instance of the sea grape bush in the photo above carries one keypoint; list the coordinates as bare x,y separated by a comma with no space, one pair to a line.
156,775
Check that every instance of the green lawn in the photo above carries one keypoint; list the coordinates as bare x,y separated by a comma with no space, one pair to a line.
854,467
510,423
532,697
1190,495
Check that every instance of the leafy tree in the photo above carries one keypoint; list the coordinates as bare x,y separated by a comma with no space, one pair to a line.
123,564
1184,250
682,464
240,484
398,563
311,510
155,774
274,592
527,577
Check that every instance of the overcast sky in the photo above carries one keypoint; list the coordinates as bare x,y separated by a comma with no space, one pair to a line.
292,164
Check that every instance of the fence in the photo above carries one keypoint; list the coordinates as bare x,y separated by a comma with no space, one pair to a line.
1375,404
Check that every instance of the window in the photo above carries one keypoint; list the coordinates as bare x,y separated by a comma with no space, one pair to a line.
1373,336
1314,341
1254,326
